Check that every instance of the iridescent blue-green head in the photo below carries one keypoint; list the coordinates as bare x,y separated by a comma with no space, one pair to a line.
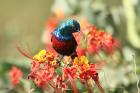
65,30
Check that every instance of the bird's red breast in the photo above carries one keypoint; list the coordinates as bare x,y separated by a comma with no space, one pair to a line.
64,47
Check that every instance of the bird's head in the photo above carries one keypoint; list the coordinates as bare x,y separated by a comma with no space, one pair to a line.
69,26
65,30
73,25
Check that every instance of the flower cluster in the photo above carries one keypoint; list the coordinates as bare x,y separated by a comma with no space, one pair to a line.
98,39
93,40
41,73
44,56
44,71
15,74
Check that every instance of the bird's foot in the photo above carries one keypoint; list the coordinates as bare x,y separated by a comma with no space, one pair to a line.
59,59
70,63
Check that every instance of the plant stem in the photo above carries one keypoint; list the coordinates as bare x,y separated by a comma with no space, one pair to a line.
100,87
89,87
72,81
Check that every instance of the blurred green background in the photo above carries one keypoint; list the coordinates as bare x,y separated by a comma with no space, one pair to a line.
23,21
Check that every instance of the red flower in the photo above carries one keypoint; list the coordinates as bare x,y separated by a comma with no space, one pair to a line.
52,23
98,39
81,51
93,46
60,83
70,71
41,73
50,49
110,44
78,37
50,26
15,74
89,73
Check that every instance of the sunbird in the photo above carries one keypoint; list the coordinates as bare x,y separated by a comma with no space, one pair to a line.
63,40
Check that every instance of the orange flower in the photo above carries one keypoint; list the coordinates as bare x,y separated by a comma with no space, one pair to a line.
81,63
44,56
59,13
